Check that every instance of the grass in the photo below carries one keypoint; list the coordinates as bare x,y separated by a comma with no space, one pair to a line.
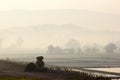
74,75
16,78
8,64
67,73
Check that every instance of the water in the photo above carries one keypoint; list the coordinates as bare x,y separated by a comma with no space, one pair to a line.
78,61
115,70
66,60
96,72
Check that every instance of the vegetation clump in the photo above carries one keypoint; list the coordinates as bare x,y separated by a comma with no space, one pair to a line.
38,67
75,75
20,78
64,72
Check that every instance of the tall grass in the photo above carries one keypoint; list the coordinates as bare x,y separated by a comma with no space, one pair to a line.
66,72
8,64
16,78
74,75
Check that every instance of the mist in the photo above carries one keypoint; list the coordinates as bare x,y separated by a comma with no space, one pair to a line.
65,39
45,29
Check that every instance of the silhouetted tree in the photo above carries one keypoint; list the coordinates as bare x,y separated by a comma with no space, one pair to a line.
79,51
74,46
110,48
38,67
88,50
54,50
50,49
58,50
19,42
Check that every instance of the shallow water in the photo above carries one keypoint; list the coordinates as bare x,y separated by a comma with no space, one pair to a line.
66,60
115,70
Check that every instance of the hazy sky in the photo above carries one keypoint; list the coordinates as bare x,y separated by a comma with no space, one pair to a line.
106,6
94,18
11,18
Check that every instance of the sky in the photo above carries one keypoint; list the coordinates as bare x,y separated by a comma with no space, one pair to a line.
105,6
100,6
109,23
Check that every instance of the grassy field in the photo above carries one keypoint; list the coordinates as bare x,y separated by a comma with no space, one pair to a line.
14,69
15,78
8,64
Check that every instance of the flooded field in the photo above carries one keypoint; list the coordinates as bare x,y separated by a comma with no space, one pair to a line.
90,64
68,60
115,70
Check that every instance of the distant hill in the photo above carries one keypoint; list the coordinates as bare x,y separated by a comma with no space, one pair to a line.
82,18
45,27
40,36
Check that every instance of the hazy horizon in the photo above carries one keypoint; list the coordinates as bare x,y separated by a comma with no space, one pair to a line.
15,13
38,24
84,18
